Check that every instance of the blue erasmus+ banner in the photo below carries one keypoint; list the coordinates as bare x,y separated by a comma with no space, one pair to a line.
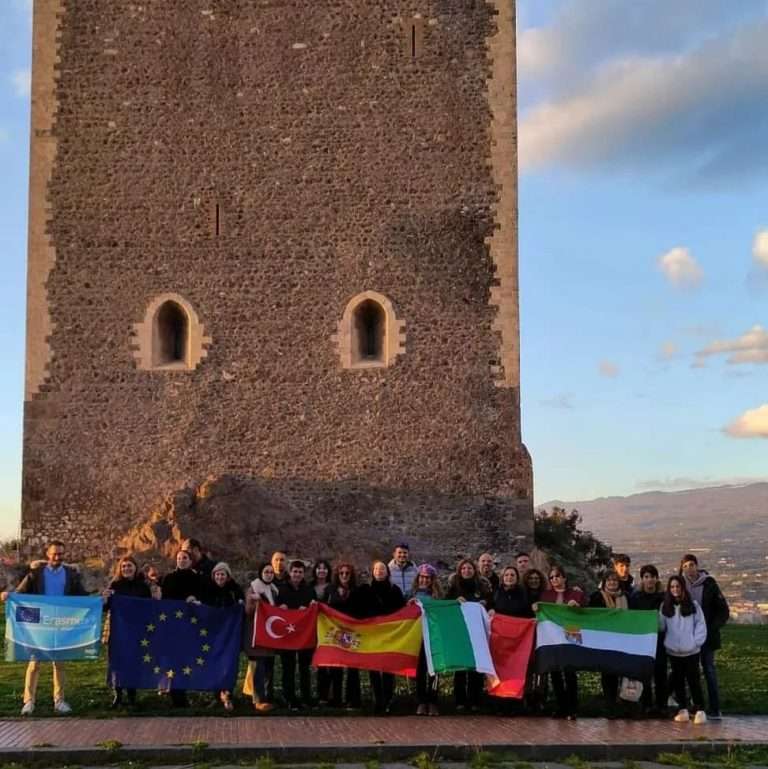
173,645
52,628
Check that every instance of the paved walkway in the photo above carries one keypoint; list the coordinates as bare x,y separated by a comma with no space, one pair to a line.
291,738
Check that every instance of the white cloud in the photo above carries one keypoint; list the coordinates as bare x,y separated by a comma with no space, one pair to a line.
704,107
608,369
668,350
750,347
680,268
21,80
760,248
751,424
681,483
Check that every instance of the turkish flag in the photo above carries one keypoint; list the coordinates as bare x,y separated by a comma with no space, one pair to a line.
511,645
286,629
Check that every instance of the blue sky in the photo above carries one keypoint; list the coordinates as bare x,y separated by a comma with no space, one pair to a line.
643,243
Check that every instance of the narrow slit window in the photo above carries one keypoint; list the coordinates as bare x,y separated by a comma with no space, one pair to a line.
172,335
370,329
217,216
413,41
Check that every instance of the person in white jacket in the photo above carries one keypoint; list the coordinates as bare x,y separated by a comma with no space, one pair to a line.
682,621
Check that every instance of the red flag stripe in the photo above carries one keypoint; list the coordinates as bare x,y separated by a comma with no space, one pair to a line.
511,646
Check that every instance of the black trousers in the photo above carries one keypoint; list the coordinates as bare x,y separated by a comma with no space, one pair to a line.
685,670
610,686
658,681
338,694
468,688
383,686
566,687
426,685
289,660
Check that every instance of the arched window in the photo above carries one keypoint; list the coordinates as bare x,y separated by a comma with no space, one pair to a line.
369,334
369,330
171,335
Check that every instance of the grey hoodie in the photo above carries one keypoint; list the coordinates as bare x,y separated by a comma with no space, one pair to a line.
684,635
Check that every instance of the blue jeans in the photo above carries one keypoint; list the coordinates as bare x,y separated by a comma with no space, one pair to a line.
710,676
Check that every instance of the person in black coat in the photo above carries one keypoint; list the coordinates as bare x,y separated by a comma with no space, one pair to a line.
321,584
649,597
345,597
378,599
510,598
221,591
295,593
128,581
706,592
467,585
181,584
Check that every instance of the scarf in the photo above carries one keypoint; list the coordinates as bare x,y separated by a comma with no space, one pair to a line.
615,600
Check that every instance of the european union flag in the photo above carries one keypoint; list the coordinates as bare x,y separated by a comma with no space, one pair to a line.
173,645
52,628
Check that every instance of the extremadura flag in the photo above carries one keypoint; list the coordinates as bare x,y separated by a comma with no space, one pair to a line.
173,645
52,628
389,644
618,641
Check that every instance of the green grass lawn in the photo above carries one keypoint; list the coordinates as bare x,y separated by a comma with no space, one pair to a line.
742,664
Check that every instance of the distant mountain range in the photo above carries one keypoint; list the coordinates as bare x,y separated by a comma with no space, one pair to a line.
720,519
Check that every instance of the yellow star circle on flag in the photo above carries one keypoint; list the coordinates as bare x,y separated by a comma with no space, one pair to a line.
200,661
203,632
147,658
145,642
170,673
156,669
179,614
187,671
163,617
206,647
150,628
193,620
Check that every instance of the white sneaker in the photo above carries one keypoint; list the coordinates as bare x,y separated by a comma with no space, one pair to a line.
682,717
28,709
61,707
700,717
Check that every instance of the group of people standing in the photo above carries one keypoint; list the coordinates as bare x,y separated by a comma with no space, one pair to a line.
691,610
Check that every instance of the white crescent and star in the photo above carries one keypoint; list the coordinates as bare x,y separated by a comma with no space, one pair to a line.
269,627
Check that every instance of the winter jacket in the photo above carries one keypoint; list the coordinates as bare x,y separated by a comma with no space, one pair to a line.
476,589
513,603
295,597
646,601
34,581
713,604
493,580
403,577
134,588
379,598
348,603
323,594
550,596
180,584
684,635
597,600
229,594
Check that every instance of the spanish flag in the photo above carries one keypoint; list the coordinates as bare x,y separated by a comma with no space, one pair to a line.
389,644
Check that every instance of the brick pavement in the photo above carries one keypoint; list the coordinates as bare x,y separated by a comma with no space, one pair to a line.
293,738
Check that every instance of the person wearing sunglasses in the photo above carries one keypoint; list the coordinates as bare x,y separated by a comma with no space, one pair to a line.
344,596
564,682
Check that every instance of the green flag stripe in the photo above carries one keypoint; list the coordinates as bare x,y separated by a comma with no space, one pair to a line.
448,637
607,620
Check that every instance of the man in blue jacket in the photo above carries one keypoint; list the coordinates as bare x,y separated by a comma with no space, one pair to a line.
49,578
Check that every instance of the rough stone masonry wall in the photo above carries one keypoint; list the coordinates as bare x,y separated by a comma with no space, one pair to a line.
339,164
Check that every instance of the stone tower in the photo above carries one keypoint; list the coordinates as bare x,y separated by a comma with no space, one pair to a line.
273,265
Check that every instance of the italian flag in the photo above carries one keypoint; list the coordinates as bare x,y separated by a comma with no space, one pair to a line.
456,637
617,641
